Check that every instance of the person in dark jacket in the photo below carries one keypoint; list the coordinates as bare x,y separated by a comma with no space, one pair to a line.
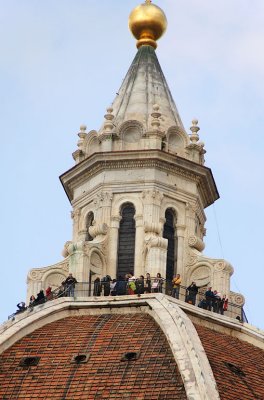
192,293
40,297
105,281
121,286
70,282
209,298
97,287
140,285
21,307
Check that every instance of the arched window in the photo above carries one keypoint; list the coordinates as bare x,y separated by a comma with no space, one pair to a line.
126,241
89,222
170,234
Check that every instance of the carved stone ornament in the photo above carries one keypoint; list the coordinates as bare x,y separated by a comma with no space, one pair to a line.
97,230
103,199
224,266
35,275
157,242
192,259
151,227
237,298
196,243
219,266
201,275
150,195
65,250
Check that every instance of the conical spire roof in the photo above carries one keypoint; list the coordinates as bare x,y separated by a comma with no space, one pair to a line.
144,86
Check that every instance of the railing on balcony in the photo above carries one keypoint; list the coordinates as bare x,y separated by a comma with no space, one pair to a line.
139,287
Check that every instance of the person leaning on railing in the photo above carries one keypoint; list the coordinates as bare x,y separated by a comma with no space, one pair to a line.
148,283
70,282
192,293
121,286
176,284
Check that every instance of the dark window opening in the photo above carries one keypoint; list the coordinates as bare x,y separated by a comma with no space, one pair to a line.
80,358
126,241
29,361
130,356
236,370
170,234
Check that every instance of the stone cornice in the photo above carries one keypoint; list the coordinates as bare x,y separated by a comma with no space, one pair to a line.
164,161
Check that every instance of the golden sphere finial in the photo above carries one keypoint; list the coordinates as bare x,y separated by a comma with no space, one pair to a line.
147,23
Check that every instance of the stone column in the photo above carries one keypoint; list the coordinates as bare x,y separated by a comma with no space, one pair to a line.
180,250
139,245
156,256
112,245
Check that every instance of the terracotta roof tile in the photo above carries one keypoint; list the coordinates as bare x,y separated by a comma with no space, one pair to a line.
238,366
105,338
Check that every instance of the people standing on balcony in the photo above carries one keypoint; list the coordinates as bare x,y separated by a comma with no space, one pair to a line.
113,287
48,293
223,305
157,284
40,297
209,297
216,301
121,286
105,281
176,284
131,283
70,282
97,287
192,293
21,307
61,291
32,301
148,283
140,285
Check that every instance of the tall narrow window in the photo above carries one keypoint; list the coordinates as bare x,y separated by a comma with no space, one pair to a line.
89,222
170,234
126,241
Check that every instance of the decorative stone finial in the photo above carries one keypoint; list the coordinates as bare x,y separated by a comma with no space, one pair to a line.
82,135
155,117
83,128
194,137
108,125
147,23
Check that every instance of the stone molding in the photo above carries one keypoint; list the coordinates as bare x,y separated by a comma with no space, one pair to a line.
157,159
36,274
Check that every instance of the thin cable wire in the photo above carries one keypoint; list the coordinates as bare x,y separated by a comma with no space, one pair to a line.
222,251
218,232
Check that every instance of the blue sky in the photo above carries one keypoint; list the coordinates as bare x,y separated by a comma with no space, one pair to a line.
62,63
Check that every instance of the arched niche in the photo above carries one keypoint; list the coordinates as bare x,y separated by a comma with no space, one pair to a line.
126,240
92,143
177,140
130,133
169,233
